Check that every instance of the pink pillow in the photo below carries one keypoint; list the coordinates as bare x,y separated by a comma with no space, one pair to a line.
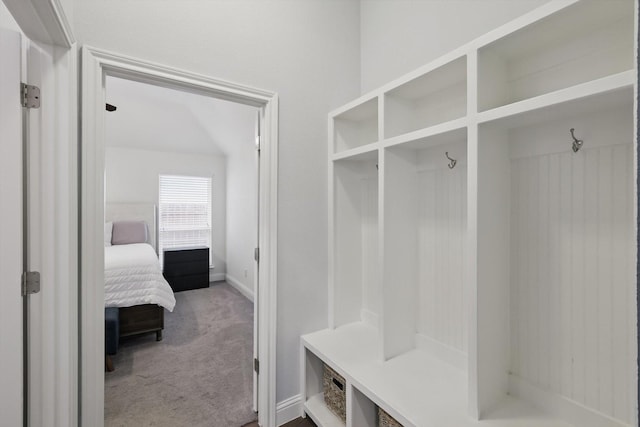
128,232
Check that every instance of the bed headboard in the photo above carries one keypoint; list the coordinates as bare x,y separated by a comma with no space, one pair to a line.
134,212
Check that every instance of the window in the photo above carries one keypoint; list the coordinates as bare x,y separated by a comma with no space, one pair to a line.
185,212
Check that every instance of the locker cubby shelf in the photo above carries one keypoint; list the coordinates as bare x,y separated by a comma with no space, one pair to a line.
360,153
500,290
424,211
357,126
582,42
355,263
431,133
435,97
562,276
590,96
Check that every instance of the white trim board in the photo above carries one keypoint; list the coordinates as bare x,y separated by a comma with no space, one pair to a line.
42,21
96,66
240,287
288,409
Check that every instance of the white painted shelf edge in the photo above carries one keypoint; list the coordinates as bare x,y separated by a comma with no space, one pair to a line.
345,347
354,152
555,99
428,132
584,90
318,411
431,131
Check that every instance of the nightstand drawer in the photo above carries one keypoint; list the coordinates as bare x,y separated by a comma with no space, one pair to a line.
186,255
185,268
185,283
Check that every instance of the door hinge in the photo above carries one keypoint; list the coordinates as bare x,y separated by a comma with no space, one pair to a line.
256,366
30,283
30,95
256,254
258,143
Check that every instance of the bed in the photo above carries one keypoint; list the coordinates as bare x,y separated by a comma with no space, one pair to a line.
133,278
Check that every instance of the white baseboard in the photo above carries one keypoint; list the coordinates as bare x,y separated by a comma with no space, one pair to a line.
560,406
289,409
216,277
241,287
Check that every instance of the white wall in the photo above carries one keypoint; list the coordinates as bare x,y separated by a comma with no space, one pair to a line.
6,20
242,215
306,50
132,177
401,35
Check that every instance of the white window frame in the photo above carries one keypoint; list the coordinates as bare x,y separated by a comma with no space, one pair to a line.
162,205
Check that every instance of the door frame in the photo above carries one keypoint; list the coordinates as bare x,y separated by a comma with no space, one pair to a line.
96,65
12,189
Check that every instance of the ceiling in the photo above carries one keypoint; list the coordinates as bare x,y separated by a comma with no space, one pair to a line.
151,117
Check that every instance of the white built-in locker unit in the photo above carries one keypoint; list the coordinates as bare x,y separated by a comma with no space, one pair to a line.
482,233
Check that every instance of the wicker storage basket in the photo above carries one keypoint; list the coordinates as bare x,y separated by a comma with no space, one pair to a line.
386,420
335,397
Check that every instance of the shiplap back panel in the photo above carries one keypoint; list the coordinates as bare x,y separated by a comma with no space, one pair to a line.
371,281
442,241
603,52
571,267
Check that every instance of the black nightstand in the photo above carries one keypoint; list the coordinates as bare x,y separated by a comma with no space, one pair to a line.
186,268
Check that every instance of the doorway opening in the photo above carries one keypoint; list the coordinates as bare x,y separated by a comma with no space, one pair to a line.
99,72
185,167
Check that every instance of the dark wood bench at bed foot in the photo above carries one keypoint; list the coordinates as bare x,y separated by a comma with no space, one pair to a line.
142,319
111,335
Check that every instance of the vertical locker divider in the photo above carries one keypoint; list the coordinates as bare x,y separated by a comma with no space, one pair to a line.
472,235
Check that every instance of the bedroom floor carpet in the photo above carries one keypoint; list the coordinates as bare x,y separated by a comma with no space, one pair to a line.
200,374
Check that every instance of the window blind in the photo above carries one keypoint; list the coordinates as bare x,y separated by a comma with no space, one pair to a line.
185,212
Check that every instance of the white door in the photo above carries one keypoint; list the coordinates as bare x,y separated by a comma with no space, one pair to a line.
20,131
11,231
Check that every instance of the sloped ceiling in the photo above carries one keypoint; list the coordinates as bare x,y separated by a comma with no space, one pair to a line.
155,118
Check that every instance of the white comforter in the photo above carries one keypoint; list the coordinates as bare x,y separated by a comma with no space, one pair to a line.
132,276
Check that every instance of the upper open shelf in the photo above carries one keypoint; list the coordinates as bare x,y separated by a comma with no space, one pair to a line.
602,94
356,127
583,42
435,97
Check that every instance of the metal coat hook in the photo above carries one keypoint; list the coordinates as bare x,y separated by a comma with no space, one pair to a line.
576,145
452,162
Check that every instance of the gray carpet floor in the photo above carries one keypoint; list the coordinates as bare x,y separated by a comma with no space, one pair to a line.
200,374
